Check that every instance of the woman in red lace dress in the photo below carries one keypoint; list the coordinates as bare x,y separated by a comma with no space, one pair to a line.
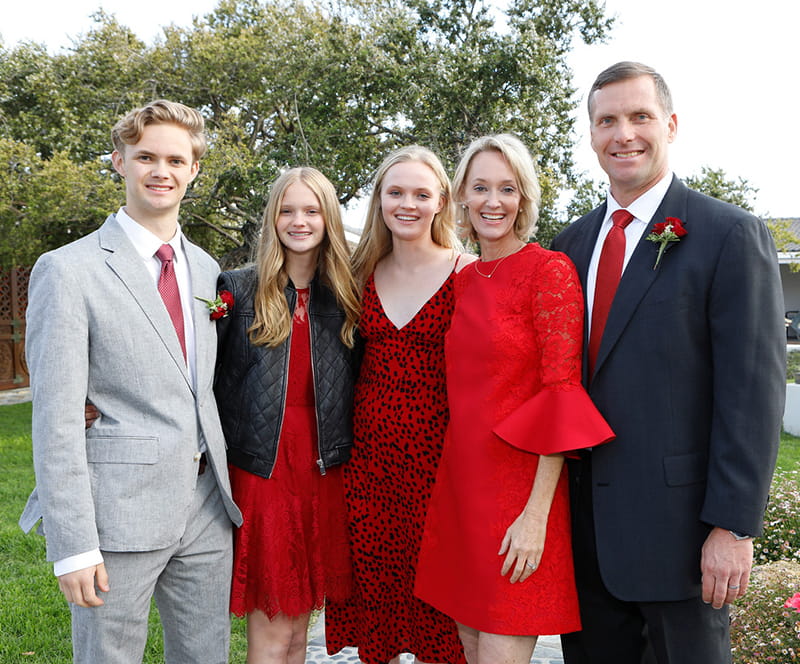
405,260
496,554
284,386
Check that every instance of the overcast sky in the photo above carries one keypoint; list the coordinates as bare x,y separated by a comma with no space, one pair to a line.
732,66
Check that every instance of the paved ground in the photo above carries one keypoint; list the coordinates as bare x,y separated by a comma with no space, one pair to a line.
548,650
15,396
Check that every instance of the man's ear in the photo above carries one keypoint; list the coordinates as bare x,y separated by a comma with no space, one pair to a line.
673,127
118,161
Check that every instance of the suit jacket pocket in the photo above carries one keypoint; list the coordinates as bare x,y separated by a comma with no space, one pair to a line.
122,449
683,469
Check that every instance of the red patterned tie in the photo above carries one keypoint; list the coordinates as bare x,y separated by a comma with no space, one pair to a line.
168,288
609,271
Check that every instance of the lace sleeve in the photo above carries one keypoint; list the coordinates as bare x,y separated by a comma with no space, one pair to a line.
560,416
558,322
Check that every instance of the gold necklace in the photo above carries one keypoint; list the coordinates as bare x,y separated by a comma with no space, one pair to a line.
497,264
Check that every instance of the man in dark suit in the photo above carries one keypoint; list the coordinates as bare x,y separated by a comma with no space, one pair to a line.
688,369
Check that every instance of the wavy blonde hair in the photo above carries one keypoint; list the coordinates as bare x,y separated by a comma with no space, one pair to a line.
521,162
129,129
376,238
273,320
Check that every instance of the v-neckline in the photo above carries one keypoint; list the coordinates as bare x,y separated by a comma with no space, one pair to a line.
418,311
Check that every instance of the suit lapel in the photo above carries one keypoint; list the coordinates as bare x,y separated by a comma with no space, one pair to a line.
127,264
639,274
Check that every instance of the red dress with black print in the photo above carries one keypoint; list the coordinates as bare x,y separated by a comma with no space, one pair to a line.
399,425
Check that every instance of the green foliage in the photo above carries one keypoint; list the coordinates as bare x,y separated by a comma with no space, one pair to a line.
714,182
785,239
789,455
762,629
281,83
781,538
792,365
588,194
47,203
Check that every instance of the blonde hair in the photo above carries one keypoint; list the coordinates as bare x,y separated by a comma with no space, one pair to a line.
128,129
521,163
273,320
376,238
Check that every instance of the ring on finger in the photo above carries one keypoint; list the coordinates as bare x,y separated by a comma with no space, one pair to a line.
736,587
530,565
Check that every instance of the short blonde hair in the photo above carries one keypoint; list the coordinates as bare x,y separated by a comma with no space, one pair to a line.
521,162
376,238
129,129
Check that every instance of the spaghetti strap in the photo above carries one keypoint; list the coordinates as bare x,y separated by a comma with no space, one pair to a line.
455,265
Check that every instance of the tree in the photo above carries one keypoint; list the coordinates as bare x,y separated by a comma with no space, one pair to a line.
47,203
586,196
714,182
334,84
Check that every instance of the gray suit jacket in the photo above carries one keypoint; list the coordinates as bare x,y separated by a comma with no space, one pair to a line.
97,328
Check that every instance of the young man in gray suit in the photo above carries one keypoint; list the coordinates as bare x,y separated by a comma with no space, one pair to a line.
139,505
685,360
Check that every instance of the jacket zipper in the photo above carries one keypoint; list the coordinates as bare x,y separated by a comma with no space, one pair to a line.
320,462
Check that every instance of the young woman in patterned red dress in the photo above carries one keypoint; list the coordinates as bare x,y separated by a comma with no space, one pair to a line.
405,263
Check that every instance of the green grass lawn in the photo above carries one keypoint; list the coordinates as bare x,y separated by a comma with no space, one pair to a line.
33,615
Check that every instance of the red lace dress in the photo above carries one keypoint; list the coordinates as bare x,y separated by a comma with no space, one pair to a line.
400,420
513,357
291,551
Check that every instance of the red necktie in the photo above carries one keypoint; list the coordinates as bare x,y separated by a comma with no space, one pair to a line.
609,271
168,288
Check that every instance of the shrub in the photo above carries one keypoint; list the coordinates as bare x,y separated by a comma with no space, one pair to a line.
781,539
762,629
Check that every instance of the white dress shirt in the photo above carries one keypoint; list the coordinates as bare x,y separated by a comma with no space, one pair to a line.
642,209
146,245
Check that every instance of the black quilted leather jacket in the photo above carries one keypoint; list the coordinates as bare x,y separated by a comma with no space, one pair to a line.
250,381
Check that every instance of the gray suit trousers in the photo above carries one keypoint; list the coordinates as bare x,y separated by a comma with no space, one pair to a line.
191,585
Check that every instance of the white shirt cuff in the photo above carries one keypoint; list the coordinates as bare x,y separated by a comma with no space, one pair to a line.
77,562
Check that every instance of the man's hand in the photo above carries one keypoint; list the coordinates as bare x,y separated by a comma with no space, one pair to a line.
725,566
79,587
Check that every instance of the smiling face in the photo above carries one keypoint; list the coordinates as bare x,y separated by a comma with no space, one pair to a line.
491,194
411,197
631,133
157,169
300,225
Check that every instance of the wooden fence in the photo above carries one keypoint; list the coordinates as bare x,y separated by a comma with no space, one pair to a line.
13,301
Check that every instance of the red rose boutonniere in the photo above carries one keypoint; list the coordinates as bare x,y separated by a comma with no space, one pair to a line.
221,306
670,230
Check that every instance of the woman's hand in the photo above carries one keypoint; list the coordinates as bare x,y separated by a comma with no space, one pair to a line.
90,413
523,545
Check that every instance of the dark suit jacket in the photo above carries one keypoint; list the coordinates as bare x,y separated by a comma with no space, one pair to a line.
691,376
